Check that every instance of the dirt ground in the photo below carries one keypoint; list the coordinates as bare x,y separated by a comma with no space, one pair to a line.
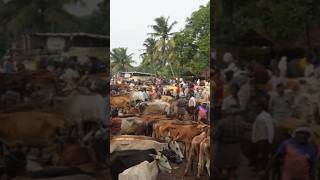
178,174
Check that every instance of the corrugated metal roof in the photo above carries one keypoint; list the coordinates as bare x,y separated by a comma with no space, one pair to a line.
138,73
98,36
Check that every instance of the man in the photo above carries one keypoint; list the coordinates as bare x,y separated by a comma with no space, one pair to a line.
282,65
202,112
281,104
309,69
298,156
231,104
181,105
262,135
192,105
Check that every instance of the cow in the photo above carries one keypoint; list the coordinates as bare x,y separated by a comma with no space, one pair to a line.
163,123
31,128
131,143
122,160
204,156
83,108
137,95
157,107
146,170
73,155
194,150
132,125
167,99
120,101
186,133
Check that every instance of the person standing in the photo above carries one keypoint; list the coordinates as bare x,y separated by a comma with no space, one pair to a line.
282,65
281,104
231,104
181,105
309,69
262,135
202,112
192,106
298,155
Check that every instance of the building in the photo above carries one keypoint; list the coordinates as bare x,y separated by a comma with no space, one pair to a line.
136,76
31,47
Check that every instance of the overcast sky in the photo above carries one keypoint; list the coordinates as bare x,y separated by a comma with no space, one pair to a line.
129,20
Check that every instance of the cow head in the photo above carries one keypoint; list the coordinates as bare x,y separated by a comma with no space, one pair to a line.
174,145
162,162
172,156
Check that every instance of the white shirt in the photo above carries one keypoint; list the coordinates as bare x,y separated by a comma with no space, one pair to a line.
263,128
230,104
283,66
308,70
192,102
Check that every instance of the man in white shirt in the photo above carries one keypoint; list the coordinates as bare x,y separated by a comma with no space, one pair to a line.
309,69
282,65
262,135
281,104
192,106
231,104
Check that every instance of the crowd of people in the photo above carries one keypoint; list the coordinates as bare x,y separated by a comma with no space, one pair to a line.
250,107
191,97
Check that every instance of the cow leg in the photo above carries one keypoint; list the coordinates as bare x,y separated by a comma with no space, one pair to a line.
187,149
189,160
200,162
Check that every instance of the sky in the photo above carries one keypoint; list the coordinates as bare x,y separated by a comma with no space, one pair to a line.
129,20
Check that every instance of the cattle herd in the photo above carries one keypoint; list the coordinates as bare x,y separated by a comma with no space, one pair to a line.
43,125
149,142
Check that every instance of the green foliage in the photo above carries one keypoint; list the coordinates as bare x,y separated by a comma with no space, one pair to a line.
120,60
36,15
283,21
173,54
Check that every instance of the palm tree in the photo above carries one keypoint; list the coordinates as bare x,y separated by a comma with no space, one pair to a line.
162,31
35,15
150,52
120,60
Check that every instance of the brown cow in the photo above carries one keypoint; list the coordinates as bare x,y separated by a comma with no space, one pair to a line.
194,150
185,134
120,101
73,155
204,156
31,128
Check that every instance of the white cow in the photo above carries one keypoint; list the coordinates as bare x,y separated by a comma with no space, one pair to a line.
132,143
158,107
146,170
132,125
137,95
83,107
70,76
